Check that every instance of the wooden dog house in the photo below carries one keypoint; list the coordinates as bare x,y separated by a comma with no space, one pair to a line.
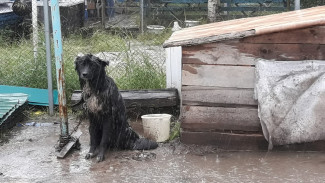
213,68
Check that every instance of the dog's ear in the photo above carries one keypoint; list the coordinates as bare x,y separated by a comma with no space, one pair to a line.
102,62
76,61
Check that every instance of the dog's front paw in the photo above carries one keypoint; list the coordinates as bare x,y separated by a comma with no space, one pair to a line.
100,158
89,155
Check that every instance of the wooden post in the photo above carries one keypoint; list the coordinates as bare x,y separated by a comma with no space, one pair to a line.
212,4
35,28
103,13
297,4
174,69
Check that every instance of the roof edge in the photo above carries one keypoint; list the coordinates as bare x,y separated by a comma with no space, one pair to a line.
210,39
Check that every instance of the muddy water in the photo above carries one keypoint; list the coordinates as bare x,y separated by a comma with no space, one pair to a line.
29,156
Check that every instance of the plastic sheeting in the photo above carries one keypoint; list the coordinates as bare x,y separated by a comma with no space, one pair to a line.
291,100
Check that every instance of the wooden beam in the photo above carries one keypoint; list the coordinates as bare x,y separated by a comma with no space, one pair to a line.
283,52
209,39
220,76
216,54
226,141
215,96
233,141
311,35
201,118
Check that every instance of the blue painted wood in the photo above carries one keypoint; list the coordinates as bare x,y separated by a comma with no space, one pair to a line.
36,96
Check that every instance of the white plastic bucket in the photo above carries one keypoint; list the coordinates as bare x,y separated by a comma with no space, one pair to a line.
156,126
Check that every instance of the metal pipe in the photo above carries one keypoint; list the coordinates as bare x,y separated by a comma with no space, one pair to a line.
103,13
57,38
297,4
48,55
35,28
142,15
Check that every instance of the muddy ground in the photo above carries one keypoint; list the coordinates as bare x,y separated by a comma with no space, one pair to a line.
27,154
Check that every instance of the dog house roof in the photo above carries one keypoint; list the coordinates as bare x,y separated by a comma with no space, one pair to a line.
246,27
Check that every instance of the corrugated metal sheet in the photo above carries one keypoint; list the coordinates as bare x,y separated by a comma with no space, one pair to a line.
36,96
9,103
247,27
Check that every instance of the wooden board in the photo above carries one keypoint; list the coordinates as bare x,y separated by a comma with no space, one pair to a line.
214,96
217,54
220,76
74,138
283,52
227,141
232,141
312,35
201,118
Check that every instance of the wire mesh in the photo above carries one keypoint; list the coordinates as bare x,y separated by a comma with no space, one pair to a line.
113,33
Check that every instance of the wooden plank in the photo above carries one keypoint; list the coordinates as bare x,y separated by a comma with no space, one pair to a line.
74,139
232,141
214,96
220,76
209,39
311,35
216,53
227,141
283,52
174,67
142,98
199,118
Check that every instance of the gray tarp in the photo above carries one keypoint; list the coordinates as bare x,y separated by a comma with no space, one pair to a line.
291,101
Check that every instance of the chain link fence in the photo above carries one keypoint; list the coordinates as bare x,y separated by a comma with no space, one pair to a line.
128,33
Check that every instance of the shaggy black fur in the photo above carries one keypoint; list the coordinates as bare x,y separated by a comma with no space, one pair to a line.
105,108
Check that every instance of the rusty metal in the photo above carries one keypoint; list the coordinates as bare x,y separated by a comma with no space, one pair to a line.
57,37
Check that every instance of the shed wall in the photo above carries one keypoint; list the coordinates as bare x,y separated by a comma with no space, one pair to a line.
218,84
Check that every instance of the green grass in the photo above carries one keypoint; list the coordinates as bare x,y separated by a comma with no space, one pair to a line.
135,70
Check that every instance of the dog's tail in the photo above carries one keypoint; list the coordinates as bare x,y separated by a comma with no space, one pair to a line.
144,144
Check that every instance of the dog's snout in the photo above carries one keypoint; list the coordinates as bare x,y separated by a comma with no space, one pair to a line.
84,74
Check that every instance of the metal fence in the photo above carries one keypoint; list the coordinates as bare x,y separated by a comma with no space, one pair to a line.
128,33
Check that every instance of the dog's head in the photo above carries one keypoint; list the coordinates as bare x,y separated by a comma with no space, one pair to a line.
90,67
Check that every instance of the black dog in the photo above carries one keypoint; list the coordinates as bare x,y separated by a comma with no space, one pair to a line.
105,108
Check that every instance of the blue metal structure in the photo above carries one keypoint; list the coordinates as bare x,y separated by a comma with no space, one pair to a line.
57,38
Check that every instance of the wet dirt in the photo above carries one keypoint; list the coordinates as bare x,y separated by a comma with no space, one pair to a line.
28,155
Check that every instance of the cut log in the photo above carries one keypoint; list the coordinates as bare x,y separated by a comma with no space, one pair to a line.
198,118
142,98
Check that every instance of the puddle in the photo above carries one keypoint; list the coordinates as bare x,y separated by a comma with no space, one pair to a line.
29,156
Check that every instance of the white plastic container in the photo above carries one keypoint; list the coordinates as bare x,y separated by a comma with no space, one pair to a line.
155,29
156,126
191,23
